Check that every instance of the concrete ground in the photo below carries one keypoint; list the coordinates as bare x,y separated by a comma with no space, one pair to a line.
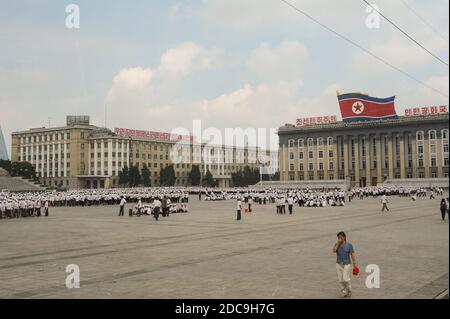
208,254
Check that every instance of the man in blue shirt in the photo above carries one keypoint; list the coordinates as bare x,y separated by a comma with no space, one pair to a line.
344,263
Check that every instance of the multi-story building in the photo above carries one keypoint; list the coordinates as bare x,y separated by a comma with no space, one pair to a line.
80,155
366,153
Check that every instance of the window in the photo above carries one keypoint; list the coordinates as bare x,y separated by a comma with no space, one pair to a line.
320,154
300,155
300,143
310,154
291,143
320,141
419,136
330,141
444,134
291,155
432,135
420,162
310,142
433,161
311,166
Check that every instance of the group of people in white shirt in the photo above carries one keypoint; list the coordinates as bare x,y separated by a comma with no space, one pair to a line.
22,205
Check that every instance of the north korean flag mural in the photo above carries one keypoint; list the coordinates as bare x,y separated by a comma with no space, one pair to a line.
356,107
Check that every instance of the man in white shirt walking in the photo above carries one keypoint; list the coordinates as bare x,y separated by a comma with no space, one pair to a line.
384,201
239,208
122,205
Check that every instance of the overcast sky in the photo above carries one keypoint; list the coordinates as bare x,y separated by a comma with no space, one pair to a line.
158,65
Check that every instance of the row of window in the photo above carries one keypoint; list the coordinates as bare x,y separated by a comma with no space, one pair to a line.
432,135
44,138
310,142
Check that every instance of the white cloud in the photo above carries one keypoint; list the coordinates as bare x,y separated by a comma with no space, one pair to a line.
140,85
284,62
186,58
133,78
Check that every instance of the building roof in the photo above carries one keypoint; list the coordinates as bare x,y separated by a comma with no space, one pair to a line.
401,121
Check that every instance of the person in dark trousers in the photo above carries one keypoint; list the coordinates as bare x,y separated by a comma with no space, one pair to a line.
290,202
384,201
239,208
443,208
157,208
46,208
200,195
164,206
122,206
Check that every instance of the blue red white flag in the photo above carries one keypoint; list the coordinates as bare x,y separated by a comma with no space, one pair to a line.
356,107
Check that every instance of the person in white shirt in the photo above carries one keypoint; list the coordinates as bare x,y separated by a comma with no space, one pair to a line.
122,206
290,202
157,208
384,201
239,208
46,208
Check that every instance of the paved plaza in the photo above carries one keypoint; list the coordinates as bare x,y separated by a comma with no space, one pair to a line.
208,254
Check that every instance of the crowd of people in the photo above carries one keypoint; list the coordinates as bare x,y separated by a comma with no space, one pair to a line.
164,201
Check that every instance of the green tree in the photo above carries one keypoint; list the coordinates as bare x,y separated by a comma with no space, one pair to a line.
208,180
124,176
134,176
276,176
167,176
195,175
146,181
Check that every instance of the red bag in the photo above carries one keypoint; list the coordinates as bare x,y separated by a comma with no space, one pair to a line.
355,271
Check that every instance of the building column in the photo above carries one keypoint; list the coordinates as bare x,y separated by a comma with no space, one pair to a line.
426,154
54,160
379,159
335,158
403,158
439,154
65,159
282,163
346,163
95,157
357,160
110,159
390,157
368,162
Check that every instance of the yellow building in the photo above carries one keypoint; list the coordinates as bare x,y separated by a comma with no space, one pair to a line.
80,155
366,153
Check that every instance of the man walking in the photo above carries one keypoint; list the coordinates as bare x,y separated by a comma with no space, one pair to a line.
239,208
122,206
290,201
384,201
157,208
345,259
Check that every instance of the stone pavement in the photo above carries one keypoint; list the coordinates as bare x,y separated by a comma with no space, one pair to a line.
208,254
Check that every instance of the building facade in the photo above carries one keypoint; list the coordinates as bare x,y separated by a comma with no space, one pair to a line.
366,153
80,155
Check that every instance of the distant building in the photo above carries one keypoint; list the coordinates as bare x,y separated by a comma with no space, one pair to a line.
366,153
80,155
3,150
